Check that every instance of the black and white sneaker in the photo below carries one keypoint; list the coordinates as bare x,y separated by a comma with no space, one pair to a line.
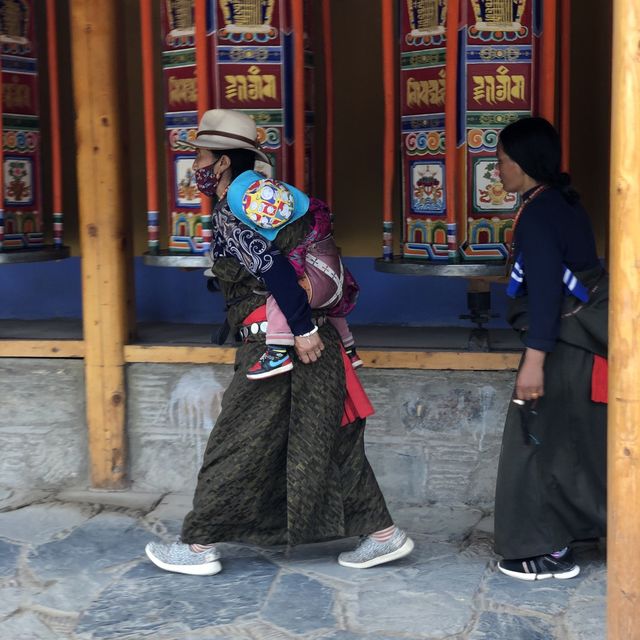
541,567
354,358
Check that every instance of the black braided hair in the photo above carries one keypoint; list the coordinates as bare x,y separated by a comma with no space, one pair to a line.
535,145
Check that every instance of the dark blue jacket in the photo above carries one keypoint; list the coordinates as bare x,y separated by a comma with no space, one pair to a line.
551,232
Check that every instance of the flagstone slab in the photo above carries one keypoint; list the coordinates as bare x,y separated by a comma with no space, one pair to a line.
71,594
415,615
300,604
9,554
251,630
436,602
12,498
148,602
39,523
593,585
586,619
106,541
456,576
11,599
500,626
541,596
348,635
27,626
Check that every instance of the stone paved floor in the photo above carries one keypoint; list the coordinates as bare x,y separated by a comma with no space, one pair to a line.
72,566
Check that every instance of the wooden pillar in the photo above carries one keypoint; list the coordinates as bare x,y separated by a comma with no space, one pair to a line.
97,83
623,539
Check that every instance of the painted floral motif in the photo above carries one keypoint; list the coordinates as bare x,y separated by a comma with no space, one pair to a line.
428,188
18,182
490,192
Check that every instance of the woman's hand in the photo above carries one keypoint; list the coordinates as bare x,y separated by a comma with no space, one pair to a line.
530,380
309,348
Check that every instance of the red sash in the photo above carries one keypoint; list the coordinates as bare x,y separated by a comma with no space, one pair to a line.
257,315
599,379
356,401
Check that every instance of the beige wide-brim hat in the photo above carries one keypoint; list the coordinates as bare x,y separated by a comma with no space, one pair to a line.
222,129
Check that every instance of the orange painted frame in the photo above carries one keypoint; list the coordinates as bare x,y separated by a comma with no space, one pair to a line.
54,111
390,114
565,79
451,125
297,19
151,144
547,105
329,120
202,74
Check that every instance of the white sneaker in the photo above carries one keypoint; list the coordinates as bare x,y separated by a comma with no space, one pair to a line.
179,558
370,552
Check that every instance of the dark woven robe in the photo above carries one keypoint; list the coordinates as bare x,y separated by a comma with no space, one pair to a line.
278,467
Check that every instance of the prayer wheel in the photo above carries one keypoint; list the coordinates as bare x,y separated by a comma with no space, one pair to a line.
467,68
250,55
21,213
22,229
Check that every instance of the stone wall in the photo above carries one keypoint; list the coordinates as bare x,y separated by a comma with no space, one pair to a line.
434,441
43,435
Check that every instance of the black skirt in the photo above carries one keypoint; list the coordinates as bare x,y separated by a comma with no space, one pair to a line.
551,487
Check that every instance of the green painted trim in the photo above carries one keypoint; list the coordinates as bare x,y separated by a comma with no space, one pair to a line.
266,116
21,122
494,118
182,58
423,59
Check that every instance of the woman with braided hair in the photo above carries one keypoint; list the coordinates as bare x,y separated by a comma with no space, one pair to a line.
551,486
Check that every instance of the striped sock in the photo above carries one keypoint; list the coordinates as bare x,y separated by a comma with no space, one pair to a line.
558,554
384,534
200,548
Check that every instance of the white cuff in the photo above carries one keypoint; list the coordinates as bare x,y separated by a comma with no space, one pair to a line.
310,333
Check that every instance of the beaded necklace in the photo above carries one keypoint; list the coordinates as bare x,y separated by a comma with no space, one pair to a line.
224,193
512,245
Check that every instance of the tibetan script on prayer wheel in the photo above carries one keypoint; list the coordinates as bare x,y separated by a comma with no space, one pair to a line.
498,15
251,87
427,17
252,16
